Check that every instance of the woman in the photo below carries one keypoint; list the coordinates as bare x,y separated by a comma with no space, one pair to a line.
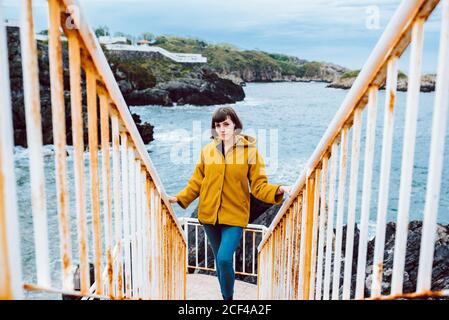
227,166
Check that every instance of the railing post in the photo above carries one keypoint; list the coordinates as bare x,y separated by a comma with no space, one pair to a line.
186,232
10,260
106,179
59,139
384,182
353,187
92,109
366,198
34,141
297,243
132,217
78,158
330,221
289,243
436,158
153,247
340,213
125,197
414,83
322,228
302,275
118,274
148,233
310,194
314,239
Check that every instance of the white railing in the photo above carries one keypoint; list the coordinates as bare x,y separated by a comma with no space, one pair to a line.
137,244
301,254
255,232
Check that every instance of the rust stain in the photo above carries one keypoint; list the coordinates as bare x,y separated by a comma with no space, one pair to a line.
66,261
5,289
83,263
128,286
120,281
380,267
110,271
413,295
392,100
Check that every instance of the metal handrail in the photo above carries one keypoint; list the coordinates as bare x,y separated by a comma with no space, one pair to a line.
144,256
300,246
250,228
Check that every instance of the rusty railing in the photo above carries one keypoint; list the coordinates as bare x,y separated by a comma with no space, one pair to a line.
138,245
301,254
252,235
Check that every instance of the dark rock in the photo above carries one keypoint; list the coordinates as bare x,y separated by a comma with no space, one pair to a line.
209,90
325,72
146,130
151,96
427,83
265,214
440,274
18,112
166,83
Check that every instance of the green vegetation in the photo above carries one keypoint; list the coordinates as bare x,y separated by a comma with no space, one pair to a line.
350,74
310,69
221,57
401,75
145,73
102,31
225,57
355,73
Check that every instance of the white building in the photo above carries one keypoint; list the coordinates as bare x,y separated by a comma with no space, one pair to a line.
112,40
144,42
178,57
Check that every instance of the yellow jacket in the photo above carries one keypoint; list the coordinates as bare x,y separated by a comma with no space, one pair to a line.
222,182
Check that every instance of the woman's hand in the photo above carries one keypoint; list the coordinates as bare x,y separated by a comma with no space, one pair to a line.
283,189
172,199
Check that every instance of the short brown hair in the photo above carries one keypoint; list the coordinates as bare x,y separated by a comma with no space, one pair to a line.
221,114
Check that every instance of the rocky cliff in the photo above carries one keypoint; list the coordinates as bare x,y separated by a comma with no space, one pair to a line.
312,71
16,78
239,66
148,78
345,82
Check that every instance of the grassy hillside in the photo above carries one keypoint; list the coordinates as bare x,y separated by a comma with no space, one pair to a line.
225,58
355,73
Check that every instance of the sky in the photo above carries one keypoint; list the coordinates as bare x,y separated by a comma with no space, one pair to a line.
338,31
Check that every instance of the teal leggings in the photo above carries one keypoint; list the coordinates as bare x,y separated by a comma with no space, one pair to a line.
224,240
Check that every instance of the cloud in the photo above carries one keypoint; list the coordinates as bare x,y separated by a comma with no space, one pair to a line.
326,27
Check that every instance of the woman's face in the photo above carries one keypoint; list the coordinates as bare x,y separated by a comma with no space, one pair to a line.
225,129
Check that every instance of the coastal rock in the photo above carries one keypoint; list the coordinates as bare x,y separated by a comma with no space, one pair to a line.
198,92
318,72
166,83
440,275
225,61
17,98
427,83
145,129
